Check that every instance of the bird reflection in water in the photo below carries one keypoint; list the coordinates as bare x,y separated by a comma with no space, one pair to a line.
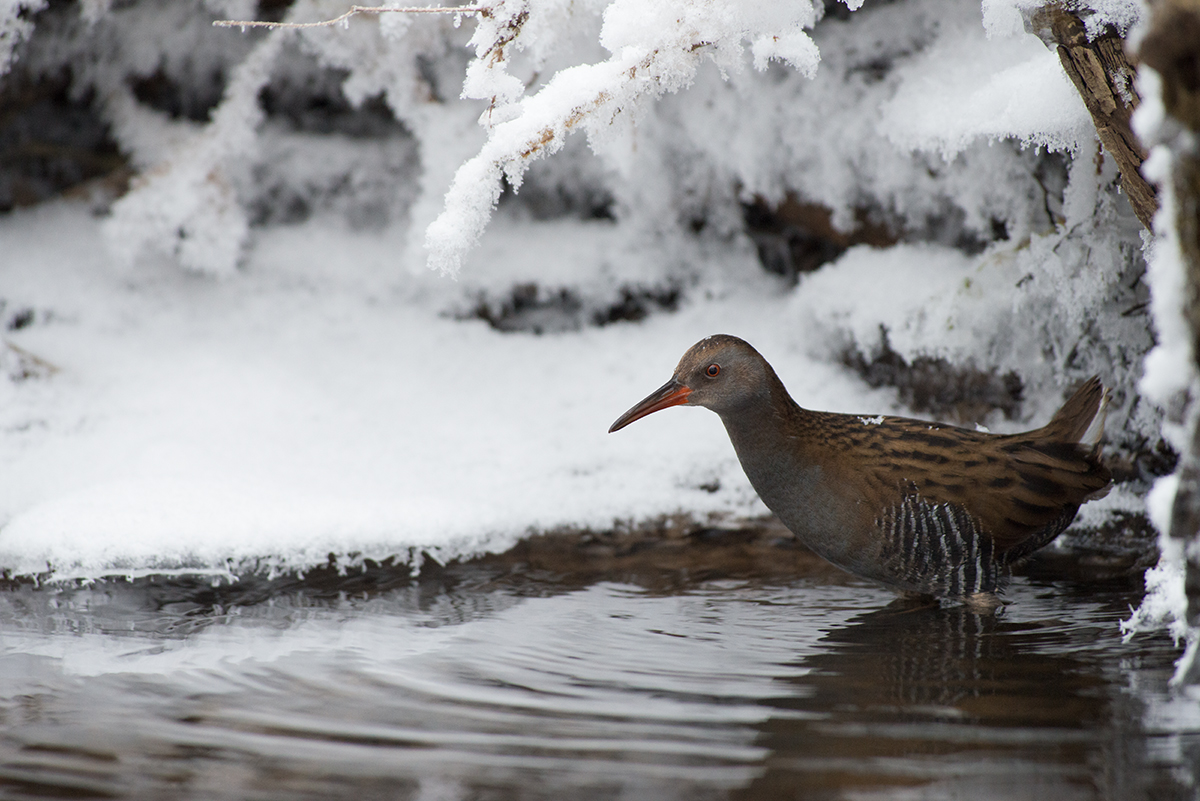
948,700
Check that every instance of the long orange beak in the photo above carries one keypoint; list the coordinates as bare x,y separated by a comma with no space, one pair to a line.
669,394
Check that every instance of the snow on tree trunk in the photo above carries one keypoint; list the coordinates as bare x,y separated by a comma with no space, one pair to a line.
1170,53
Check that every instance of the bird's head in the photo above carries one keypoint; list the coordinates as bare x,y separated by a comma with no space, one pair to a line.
720,372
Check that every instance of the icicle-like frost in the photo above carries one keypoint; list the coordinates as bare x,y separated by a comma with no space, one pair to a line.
656,47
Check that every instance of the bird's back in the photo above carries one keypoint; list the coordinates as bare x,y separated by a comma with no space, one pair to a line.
949,508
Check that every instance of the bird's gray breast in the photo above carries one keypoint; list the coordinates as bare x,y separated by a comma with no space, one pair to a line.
822,512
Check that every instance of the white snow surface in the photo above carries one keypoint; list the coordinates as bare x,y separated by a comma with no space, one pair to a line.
973,87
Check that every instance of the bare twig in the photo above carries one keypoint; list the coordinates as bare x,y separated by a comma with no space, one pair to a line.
354,10
26,365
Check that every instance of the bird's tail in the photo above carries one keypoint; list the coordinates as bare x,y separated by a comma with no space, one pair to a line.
1081,418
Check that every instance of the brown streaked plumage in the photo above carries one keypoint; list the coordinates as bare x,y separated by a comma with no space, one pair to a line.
922,507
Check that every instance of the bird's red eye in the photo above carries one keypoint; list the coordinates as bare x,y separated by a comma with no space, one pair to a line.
713,370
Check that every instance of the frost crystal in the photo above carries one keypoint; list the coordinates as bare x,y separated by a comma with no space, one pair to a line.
15,27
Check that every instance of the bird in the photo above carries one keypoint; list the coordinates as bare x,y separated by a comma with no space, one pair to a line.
930,510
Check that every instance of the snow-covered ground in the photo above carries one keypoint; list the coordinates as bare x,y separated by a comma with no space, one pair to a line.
313,406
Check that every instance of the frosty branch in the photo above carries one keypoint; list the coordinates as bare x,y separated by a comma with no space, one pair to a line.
354,11
571,98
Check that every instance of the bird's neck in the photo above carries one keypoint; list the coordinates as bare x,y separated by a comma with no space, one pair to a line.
769,436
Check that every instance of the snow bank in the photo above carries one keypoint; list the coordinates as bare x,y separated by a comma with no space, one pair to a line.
320,404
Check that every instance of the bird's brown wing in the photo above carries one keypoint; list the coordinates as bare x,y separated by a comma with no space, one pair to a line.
1015,486
1036,483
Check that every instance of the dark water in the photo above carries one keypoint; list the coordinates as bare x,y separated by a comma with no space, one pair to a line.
504,682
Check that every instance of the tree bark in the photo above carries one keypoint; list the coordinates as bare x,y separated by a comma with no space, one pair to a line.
1104,79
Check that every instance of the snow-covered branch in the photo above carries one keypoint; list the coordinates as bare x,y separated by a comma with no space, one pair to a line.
657,48
353,12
